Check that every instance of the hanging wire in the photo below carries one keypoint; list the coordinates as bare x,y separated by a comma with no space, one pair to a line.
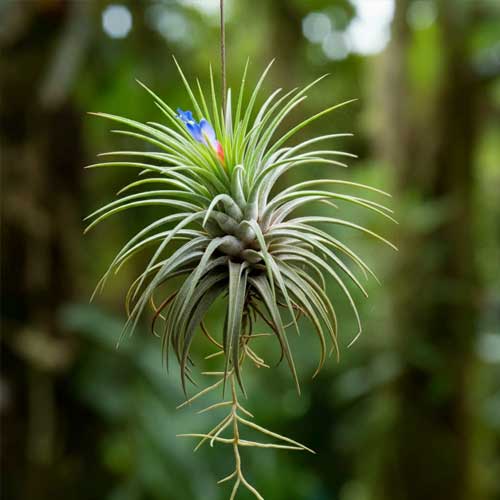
223,56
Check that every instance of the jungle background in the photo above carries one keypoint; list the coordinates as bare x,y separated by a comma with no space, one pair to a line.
412,410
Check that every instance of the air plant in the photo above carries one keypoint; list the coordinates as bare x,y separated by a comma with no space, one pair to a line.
226,231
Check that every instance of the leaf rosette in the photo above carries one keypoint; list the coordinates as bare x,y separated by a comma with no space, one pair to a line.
225,229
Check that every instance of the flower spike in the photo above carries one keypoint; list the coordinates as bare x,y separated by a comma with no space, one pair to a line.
201,132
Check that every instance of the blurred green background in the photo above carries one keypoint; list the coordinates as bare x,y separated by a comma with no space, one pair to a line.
412,410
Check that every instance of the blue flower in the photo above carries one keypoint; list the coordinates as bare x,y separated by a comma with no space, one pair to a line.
202,132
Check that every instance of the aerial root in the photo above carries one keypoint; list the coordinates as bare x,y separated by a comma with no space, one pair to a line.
201,393
235,421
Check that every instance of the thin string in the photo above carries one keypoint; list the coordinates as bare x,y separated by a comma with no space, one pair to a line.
223,56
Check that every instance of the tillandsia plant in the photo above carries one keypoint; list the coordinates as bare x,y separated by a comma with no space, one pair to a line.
226,231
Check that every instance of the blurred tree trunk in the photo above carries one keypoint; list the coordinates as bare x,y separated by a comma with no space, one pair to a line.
429,451
286,33
42,45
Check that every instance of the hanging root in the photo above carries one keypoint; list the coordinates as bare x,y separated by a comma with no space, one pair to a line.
234,422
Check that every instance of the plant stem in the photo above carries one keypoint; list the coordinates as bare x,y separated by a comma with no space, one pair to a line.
223,57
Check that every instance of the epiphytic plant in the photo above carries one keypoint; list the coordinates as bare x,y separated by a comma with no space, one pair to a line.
226,231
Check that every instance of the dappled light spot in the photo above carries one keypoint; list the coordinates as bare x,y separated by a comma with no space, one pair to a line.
369,32
171,24
316,26
116,21
421,14
335,46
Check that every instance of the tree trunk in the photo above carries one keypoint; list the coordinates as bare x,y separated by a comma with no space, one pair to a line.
41,143
428,453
